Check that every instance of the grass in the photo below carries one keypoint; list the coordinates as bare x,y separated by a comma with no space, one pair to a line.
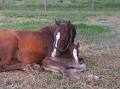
70,15
27,25
75,16
59,5
19,14
116,71
78,11
82,29
91,30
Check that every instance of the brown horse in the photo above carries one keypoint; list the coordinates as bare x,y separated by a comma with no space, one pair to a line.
21,48
54,64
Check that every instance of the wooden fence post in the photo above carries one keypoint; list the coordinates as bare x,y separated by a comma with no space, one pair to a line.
3,1
92,3
45,6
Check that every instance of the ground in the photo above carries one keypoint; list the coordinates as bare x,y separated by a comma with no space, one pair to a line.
100,51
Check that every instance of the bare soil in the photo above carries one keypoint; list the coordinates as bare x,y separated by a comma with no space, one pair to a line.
101,54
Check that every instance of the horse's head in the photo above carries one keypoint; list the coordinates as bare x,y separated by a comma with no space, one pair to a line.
63,37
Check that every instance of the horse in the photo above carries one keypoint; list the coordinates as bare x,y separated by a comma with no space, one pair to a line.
21,48
54,64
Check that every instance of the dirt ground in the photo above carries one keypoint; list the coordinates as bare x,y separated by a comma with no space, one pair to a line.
101,54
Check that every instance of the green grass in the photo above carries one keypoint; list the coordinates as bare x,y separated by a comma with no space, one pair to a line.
82,29
58,5
116,71
19,14
74,16
26,26
70,15
91,30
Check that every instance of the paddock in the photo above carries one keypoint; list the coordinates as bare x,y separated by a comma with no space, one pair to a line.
98,33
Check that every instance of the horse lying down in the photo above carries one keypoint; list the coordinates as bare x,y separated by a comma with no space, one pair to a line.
58,64
20,49
54,64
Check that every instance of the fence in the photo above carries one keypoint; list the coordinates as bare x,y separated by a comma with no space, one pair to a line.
58,4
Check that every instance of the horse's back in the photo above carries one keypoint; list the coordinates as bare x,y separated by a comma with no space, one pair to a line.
32,46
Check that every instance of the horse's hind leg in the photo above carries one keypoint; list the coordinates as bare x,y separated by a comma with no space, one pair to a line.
18,66
7,53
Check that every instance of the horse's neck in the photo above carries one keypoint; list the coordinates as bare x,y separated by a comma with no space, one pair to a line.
51,29
48,33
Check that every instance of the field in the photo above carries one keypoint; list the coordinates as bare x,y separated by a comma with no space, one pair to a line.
98,32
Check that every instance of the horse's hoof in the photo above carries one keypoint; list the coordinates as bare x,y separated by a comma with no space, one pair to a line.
81,67
28,69
74,78
37,67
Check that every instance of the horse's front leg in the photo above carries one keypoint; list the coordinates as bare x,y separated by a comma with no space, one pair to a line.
74,60
51,65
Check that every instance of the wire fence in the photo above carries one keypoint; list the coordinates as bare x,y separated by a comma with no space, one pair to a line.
58,4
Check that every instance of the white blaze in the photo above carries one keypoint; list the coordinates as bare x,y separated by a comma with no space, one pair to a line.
57,38
54,50
75,55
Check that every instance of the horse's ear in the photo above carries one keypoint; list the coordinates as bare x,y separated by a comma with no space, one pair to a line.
69,22
56,22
